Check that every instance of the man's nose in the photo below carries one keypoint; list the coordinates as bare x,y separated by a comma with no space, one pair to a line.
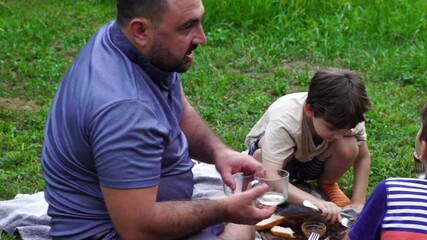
200,37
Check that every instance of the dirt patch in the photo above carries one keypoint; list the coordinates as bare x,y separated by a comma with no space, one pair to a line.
19,105
295,66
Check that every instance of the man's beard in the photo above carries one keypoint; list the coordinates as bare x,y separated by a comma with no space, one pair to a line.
163,59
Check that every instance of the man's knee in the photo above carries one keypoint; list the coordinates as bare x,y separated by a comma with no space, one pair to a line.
234,231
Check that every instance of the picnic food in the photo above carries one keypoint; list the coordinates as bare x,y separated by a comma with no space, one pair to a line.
294,220
270,222
312,226
282,231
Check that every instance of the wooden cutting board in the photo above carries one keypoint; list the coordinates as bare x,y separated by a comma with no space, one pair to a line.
294,220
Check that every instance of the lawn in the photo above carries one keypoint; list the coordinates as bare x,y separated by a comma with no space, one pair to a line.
256,52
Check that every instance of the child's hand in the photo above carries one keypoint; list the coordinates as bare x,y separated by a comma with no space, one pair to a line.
357,206
330,211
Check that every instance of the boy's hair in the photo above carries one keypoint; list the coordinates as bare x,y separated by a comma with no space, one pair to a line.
339,97
151,9
423,135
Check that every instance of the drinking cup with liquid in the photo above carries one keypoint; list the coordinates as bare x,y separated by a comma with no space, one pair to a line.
242,181
277,181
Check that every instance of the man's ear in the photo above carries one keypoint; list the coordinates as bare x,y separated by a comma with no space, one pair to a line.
308,110
140,30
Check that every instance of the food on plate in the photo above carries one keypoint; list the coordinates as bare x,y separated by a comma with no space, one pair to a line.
282,231
335,231
270,222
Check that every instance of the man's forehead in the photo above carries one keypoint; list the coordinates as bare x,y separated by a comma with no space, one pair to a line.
185,8
184,3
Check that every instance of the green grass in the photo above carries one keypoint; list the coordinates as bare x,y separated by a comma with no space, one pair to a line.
257,51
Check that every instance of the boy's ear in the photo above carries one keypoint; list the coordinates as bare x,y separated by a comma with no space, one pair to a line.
308,110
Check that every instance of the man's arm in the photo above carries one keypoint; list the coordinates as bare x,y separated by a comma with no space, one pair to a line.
206,146
136,214
361,167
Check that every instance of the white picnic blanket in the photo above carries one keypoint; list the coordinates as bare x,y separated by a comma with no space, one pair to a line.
26,214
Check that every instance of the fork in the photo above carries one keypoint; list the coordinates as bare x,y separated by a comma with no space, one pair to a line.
314,236
346,222
418,167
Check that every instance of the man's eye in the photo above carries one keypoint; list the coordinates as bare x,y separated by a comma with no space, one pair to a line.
189,26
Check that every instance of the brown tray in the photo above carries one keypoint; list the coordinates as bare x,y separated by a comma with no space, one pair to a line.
294,220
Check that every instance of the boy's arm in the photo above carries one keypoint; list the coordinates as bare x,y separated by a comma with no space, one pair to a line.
361,168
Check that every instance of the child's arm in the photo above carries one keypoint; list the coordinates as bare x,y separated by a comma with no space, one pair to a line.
361,168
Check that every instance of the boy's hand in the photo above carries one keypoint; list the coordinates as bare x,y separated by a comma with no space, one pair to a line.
357,206
330,211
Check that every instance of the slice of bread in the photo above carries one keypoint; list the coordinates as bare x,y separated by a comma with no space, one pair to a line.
270,222
282,231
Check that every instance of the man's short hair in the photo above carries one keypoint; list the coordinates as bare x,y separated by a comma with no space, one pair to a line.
339,97
129,9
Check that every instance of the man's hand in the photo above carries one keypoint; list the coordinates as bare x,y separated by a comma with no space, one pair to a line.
228,162
242,210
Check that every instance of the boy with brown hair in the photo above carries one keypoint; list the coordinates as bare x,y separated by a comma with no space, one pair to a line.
318,134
